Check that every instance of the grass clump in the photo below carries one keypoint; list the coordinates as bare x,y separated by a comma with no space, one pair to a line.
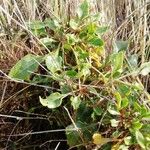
107,109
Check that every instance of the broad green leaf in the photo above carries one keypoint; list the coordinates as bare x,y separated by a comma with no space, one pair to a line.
65,89
146,117
25,67
47,41
145,69
74,137
117,62
120,46
52,101
113,112
114,123
51,24
140,139
98,111
133,60
102,30
124,102
71,73
54,62
93,90
91,28
84,113
128,140
136,125
124,90
83,10
73,24
95,41
75,102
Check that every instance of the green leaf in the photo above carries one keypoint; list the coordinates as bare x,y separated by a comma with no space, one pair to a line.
71,38
96,41
140,139
146,117
54,62
98,111
117,62
145,69
91,28
25,67
133,60
124,90
113,112
52,24
83,10
136,125
128,140
84,113
102,30
74,137
73,24
71,73
124,102
120,46
114,123
65,89
75,102
52,101
47,41
119,99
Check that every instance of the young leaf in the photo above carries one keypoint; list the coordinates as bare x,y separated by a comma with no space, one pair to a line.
128,140
83,10
47,41
140,139
95,41
136,125
25,67
124,102
52,101
54,62
98,111
145,69
133,60
102,30
73,24
71,73
120,46
75,102
114,123
113,112
117,62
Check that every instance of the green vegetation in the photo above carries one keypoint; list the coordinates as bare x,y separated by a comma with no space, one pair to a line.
105,110
84,75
